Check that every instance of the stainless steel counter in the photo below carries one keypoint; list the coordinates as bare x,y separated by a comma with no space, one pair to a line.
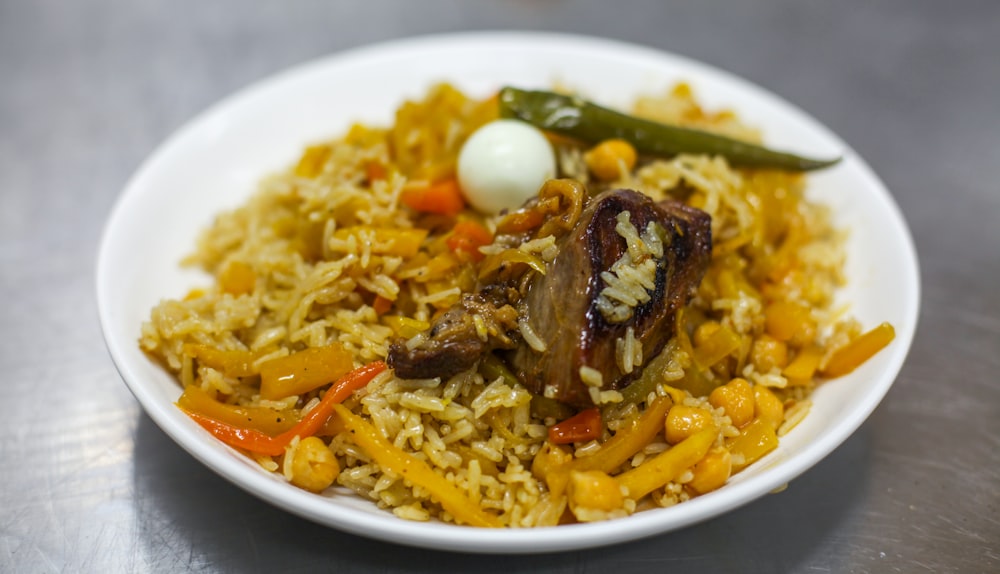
87,89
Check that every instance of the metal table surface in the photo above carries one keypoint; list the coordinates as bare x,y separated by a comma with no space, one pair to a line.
89,484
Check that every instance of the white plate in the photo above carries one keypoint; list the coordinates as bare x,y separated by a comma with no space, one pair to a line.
215,161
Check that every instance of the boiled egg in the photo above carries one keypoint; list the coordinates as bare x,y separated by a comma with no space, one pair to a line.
503,164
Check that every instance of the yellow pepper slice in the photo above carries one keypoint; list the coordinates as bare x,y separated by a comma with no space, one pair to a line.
802,368
617,449
850,357
311,163
303,371
385,241
668,465
754,441
235,363
268,421
414,470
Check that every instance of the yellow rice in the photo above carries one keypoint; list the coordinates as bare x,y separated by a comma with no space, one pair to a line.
308,235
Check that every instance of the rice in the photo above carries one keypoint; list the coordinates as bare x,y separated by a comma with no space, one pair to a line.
325,255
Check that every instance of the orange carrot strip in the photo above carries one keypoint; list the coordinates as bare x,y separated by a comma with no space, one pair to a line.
444,197
467,238
381,305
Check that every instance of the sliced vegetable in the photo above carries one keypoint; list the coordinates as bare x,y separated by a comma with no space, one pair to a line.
802,368
303,371
753,442
573,117
311,423
667,465
234,363
443,197
311,163
414,470
617,449
263,419
718,345
385,241
239,437
583,426
784,320
859,350
466,239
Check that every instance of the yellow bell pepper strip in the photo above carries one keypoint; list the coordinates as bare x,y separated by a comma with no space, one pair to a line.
266,420
720,344
864,347
311,163
414,470
785,319
256,441
667,465
617,449
235,363
303,371
800,371
385,241
754,441
627,441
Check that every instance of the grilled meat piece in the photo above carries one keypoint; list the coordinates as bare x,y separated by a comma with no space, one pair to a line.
564,307
479,323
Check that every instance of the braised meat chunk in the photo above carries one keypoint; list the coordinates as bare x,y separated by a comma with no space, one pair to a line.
457,339
609,298
607,301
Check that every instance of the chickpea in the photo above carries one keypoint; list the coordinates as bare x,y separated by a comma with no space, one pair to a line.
610,158
314,467
594,489
683,421
768,353
737,399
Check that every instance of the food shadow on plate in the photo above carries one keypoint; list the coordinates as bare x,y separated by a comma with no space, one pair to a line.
189,518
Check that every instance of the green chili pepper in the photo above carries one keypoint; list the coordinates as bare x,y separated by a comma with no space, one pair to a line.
573,117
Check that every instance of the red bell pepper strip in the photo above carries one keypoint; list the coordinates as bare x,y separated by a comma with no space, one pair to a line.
583,426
